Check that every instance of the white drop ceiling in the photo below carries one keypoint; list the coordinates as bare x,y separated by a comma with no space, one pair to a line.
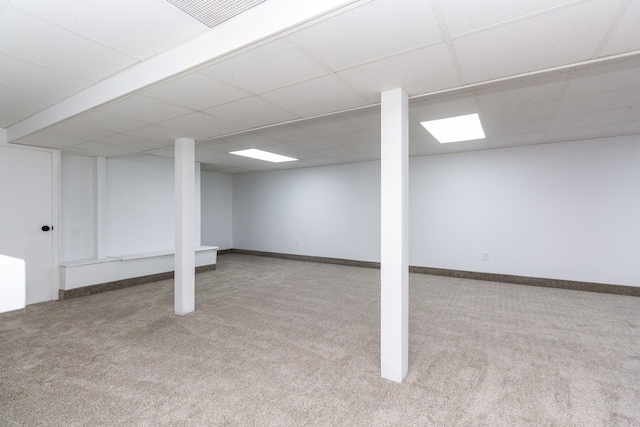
536,71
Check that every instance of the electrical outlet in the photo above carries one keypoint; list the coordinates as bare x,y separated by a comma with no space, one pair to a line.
485,256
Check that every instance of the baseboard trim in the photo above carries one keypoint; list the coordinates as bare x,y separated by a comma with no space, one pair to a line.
325,260
121,284
474,275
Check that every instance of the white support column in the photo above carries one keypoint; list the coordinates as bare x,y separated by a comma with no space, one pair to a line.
184,287
394,256
99,207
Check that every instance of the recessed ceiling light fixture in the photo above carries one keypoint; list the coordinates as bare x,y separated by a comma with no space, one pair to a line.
454,129
263,155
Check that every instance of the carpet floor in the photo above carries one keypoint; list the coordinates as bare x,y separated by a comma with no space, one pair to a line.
288,343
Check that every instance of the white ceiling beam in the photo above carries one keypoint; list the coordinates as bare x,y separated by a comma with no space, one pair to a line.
263,21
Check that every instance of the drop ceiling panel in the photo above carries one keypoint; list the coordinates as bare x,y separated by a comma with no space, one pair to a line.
24,100
517,139
587,119
31,77
280,64
69,130
492,54
50,140
10,115
32,39
604,78
104,121
573,133
515,128
523,113
121,24
443,106
514,94
371,31
622,128
464,16
285,134
195,91
251,112
329,126
625,35
131,143
356,138
202,123
599,101
315,97
143,108
315,144
413,71
160,133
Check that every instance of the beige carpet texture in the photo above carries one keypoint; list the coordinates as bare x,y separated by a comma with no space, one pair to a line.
290,343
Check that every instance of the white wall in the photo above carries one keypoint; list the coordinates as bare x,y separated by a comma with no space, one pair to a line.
217,212
140,204
564,211
331,211
76,207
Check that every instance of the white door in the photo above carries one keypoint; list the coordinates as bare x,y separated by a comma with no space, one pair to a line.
26,205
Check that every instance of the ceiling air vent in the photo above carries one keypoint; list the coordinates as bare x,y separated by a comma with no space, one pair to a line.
214,12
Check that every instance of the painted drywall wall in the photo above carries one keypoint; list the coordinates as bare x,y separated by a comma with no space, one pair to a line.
563,211
76,207
140,204
217,210
331,211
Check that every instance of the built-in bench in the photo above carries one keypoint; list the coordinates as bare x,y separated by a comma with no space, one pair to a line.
90,276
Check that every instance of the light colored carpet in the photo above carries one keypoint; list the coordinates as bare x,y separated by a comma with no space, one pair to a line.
290,343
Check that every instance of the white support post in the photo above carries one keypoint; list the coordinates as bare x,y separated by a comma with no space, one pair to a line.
99,207
184,287
394,256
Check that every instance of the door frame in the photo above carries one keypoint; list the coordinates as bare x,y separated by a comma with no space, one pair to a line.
55,212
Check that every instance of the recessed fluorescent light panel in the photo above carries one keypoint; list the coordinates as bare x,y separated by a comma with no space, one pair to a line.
263,155
214,12
454,129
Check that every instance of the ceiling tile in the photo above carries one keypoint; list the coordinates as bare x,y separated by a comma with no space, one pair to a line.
625,35
573,134
516,139
284,134
463,16
367,119
315,144
492,53
104,121
203,124
251,112
443,106
622,128
335,151
515,128
122,24
24,99
68,130
356,138
160,133
357,158
251,140
315,97
41,139
31,77
10,115
196,91
146,109
280,64
328,126
371,31
32,39
604,77
599,102
521,92
522,113
130,143
413,71
586,120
